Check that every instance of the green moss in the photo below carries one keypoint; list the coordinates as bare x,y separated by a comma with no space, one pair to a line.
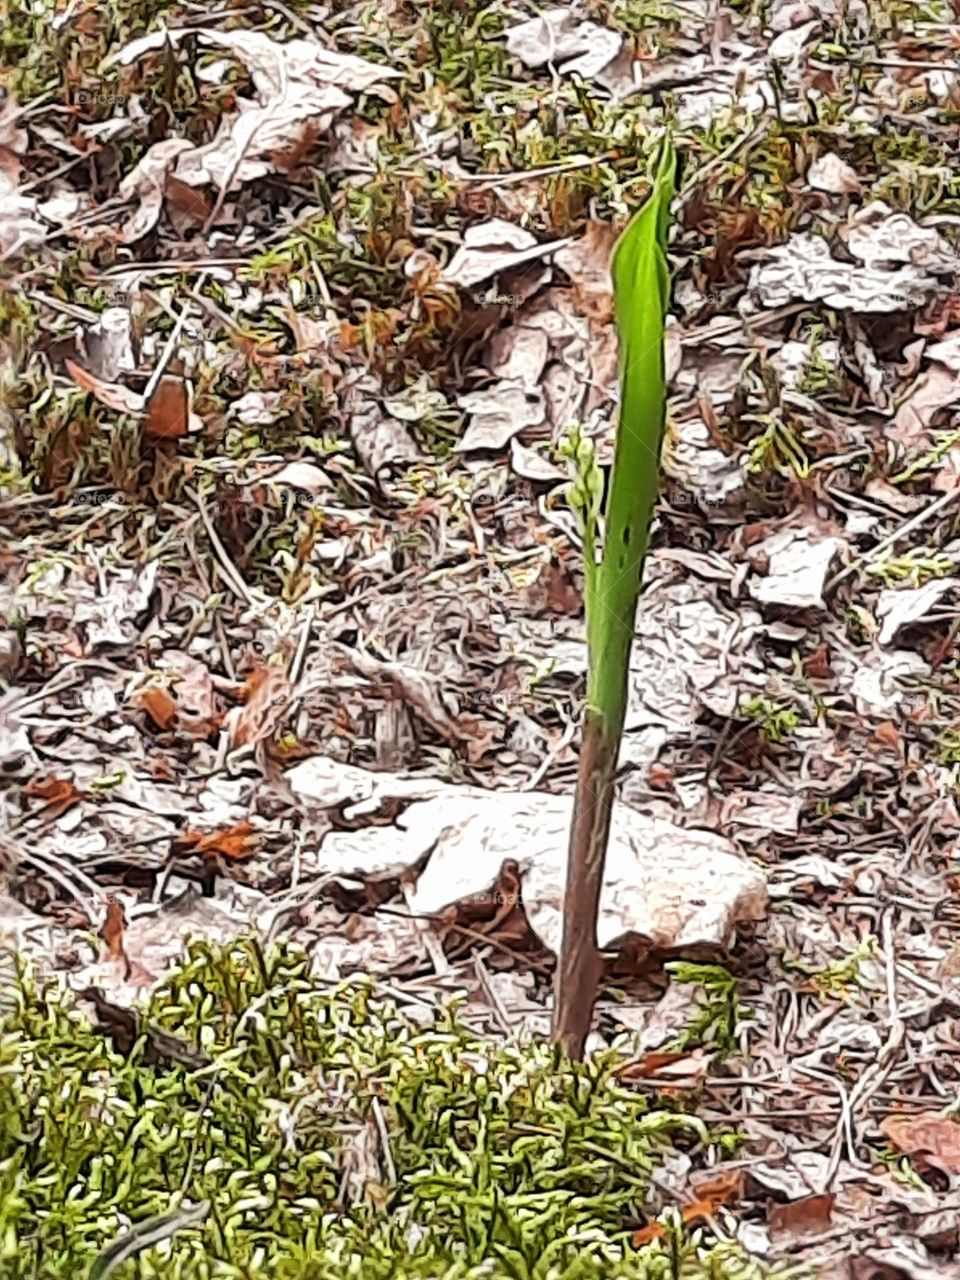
502,1162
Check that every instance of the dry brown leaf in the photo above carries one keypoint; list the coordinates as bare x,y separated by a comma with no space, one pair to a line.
817,664
935,1138
587,263
58,794
722,1186
168,413
696,1211
112,394
265,696
158,703
809,1216
886,734
660,1063
186,207
113,928
197,708
230,842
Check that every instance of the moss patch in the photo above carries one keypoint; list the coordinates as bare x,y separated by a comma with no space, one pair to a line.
499,1161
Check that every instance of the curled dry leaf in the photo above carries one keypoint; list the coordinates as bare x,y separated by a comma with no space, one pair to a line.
112,394
662,1066
232,843
934,1138
58,794
809,1216
265,696
113,928
158,703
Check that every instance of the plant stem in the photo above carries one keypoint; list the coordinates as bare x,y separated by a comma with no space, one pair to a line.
580,967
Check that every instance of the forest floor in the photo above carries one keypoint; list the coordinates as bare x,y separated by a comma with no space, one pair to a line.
299,304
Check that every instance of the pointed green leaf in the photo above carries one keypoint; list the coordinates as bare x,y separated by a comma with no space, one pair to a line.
641,284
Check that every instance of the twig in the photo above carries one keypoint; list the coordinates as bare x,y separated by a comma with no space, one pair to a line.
886,543
431,942
384,1133
496,1004
229,570
168,350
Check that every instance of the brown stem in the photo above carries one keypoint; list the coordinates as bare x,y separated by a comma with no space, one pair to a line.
579,966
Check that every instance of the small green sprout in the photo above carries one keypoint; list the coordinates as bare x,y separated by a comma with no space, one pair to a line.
775,720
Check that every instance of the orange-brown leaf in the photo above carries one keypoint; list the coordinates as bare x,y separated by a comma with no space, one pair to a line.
113,928
58,794
934,1138
715,1189
265,696
230,842
720,1185
809,1216
696,1211
159,704
648,1064
168,413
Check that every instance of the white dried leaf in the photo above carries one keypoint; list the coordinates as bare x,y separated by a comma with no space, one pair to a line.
676,888
491,247
902,608
498,414
302,475
804,269
798,566
557,36
830,173
878,237
532,465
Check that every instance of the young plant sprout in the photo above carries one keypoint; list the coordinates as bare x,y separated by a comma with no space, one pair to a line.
641,287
